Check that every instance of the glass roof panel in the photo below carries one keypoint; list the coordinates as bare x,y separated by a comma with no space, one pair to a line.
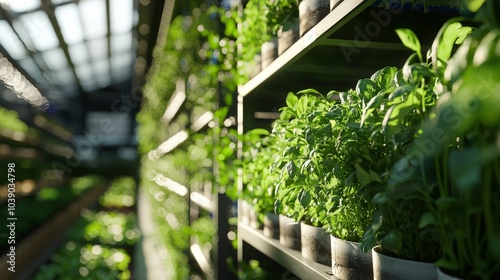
78,53
10,41
68,19
121,66
63,76
30,66
57,2
40,30
23,5
89,85
121,42
121,13
55,59
101,67
84,72
98,48
94,18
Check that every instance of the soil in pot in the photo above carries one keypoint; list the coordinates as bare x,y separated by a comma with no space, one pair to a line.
315,244
269,52
289,232
349,261
272,225
391,268
288,35
311,12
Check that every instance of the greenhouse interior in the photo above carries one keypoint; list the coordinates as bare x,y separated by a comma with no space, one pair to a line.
250,139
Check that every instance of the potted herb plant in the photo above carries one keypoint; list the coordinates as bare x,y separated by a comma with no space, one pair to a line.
300,190
460,168
311,12
259,182
395,115
283,20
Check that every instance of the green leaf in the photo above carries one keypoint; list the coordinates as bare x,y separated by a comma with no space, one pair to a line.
363,176
452,32
305,198
309,91
465,166
371,106
474,5
366,89
291,100
380,198
410,40
398,112
447,264
393,241
384,77
258,131
220,114
302,104
401,91
427,219
375,177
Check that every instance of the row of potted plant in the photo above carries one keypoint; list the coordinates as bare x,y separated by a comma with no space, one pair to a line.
406,163
98,245
269,28
39,207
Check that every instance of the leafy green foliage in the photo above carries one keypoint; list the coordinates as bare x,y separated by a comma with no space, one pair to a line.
395,114
453,166
77,261
121,193
106,228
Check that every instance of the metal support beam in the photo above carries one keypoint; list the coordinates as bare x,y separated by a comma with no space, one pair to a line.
49,9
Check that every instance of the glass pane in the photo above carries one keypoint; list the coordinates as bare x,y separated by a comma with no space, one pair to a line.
104,81
69,89
63,76
55,59
69,21
121,13
98,48
84,72
57,2
101,67
121,42
10,41
78,53
23,6
39,29
121,60
94,18
30,66
89,85
121,66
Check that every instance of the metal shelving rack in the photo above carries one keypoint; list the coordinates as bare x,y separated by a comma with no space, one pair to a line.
352,42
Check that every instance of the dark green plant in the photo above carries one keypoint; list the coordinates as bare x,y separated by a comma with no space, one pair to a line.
76,261
395,114
456,161
259,21
259,152
121,193
301,133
